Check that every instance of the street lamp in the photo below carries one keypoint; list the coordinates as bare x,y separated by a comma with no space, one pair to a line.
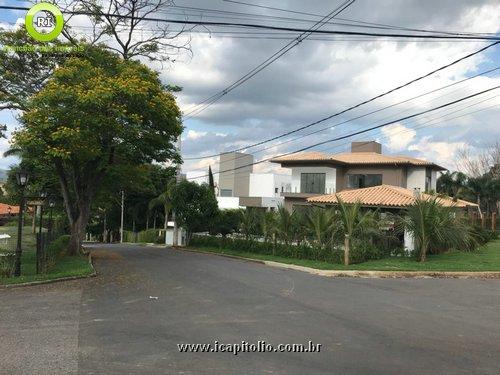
40,248
22,178
52,203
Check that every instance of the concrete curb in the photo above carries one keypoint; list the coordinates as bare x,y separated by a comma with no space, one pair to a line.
41,282
367,274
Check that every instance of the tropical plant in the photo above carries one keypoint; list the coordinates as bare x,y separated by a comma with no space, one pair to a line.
165,201
352,222
269,226
247,222
432,224
319,223
284,225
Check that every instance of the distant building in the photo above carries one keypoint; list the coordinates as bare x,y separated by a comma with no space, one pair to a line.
239,187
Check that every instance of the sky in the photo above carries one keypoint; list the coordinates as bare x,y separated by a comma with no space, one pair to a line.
318,78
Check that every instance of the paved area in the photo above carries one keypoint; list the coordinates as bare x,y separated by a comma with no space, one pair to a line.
110,325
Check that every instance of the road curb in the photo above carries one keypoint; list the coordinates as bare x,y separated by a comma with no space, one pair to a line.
60,279
367,274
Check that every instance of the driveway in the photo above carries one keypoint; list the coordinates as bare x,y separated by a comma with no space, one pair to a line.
111,325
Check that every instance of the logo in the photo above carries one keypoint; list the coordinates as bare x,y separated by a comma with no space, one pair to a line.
55,23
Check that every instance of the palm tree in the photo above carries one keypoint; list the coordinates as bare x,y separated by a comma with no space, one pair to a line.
430,223
319,222
164,200
351,221
247,222
269,228
285,224
453,184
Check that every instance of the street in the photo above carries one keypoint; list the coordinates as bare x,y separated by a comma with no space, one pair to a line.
147,300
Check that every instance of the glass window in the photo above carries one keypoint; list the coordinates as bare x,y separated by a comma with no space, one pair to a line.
276,190
312,183
358,181
428,179
226,193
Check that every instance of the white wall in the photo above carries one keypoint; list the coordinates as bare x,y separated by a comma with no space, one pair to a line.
226,203
416,178
265,184
273,202
330,178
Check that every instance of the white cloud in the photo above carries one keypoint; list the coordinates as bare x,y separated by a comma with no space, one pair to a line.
442,153
398,136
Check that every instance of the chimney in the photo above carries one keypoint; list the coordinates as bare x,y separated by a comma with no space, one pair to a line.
366,146
416,193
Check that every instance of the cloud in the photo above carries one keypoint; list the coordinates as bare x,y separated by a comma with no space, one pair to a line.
442,153
398,136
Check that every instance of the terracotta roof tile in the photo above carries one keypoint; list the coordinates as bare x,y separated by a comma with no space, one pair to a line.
384,196
356,158
4,209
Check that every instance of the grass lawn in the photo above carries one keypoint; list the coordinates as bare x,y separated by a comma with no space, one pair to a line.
65,267
487,258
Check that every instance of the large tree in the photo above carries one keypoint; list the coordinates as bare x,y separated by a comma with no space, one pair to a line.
95,112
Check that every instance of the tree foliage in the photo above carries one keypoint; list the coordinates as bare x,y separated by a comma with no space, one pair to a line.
96,112
195,206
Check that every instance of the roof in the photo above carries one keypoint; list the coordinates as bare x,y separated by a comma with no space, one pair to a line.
4,209
355,158
385,196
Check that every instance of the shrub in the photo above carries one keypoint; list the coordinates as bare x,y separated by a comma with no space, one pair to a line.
362,251
226,222
7,262
57,249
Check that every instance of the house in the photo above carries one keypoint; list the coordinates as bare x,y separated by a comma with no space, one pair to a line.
316,173
242,187
389,198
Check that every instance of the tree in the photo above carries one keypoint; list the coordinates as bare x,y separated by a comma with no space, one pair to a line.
453,184
124,26
97,111
351,221
433,224
320,222
164,200
211,182
284,225
23,74
195,207
247,222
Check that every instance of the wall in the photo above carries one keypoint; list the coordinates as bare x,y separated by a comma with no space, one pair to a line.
238,180
330,178
416,178
226,203
264,184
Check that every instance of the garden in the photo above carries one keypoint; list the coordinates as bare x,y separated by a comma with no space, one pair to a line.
352,237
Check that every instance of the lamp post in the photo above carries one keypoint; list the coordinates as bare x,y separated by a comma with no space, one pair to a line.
52,203
40,249
22,178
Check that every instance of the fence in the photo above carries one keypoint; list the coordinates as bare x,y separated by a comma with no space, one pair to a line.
43,241
488,220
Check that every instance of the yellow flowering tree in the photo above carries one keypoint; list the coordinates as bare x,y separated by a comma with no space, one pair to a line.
95,112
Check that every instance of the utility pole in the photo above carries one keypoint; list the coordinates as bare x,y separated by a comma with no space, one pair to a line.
121,224
175,234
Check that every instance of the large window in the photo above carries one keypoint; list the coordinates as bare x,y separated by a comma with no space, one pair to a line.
428,179
226,193
357,181
312,183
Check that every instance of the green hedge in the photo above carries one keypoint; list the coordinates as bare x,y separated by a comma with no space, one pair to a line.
144,236
361,251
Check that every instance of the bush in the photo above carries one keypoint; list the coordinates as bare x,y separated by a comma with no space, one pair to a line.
483,235
147,236
361,251
7,262
226,222
56,250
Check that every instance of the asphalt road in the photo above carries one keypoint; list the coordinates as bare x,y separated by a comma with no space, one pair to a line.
110,325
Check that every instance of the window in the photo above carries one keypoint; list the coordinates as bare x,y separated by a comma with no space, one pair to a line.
312,183
226,193
428,179
276,190
358,181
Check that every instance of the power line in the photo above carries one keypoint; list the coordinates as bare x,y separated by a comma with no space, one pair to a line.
393,27
329,127
282,51
361,131
277,28
354,106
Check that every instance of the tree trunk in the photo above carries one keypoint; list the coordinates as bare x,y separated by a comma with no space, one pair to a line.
33,221
147,221
347,248
423,252
274,244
